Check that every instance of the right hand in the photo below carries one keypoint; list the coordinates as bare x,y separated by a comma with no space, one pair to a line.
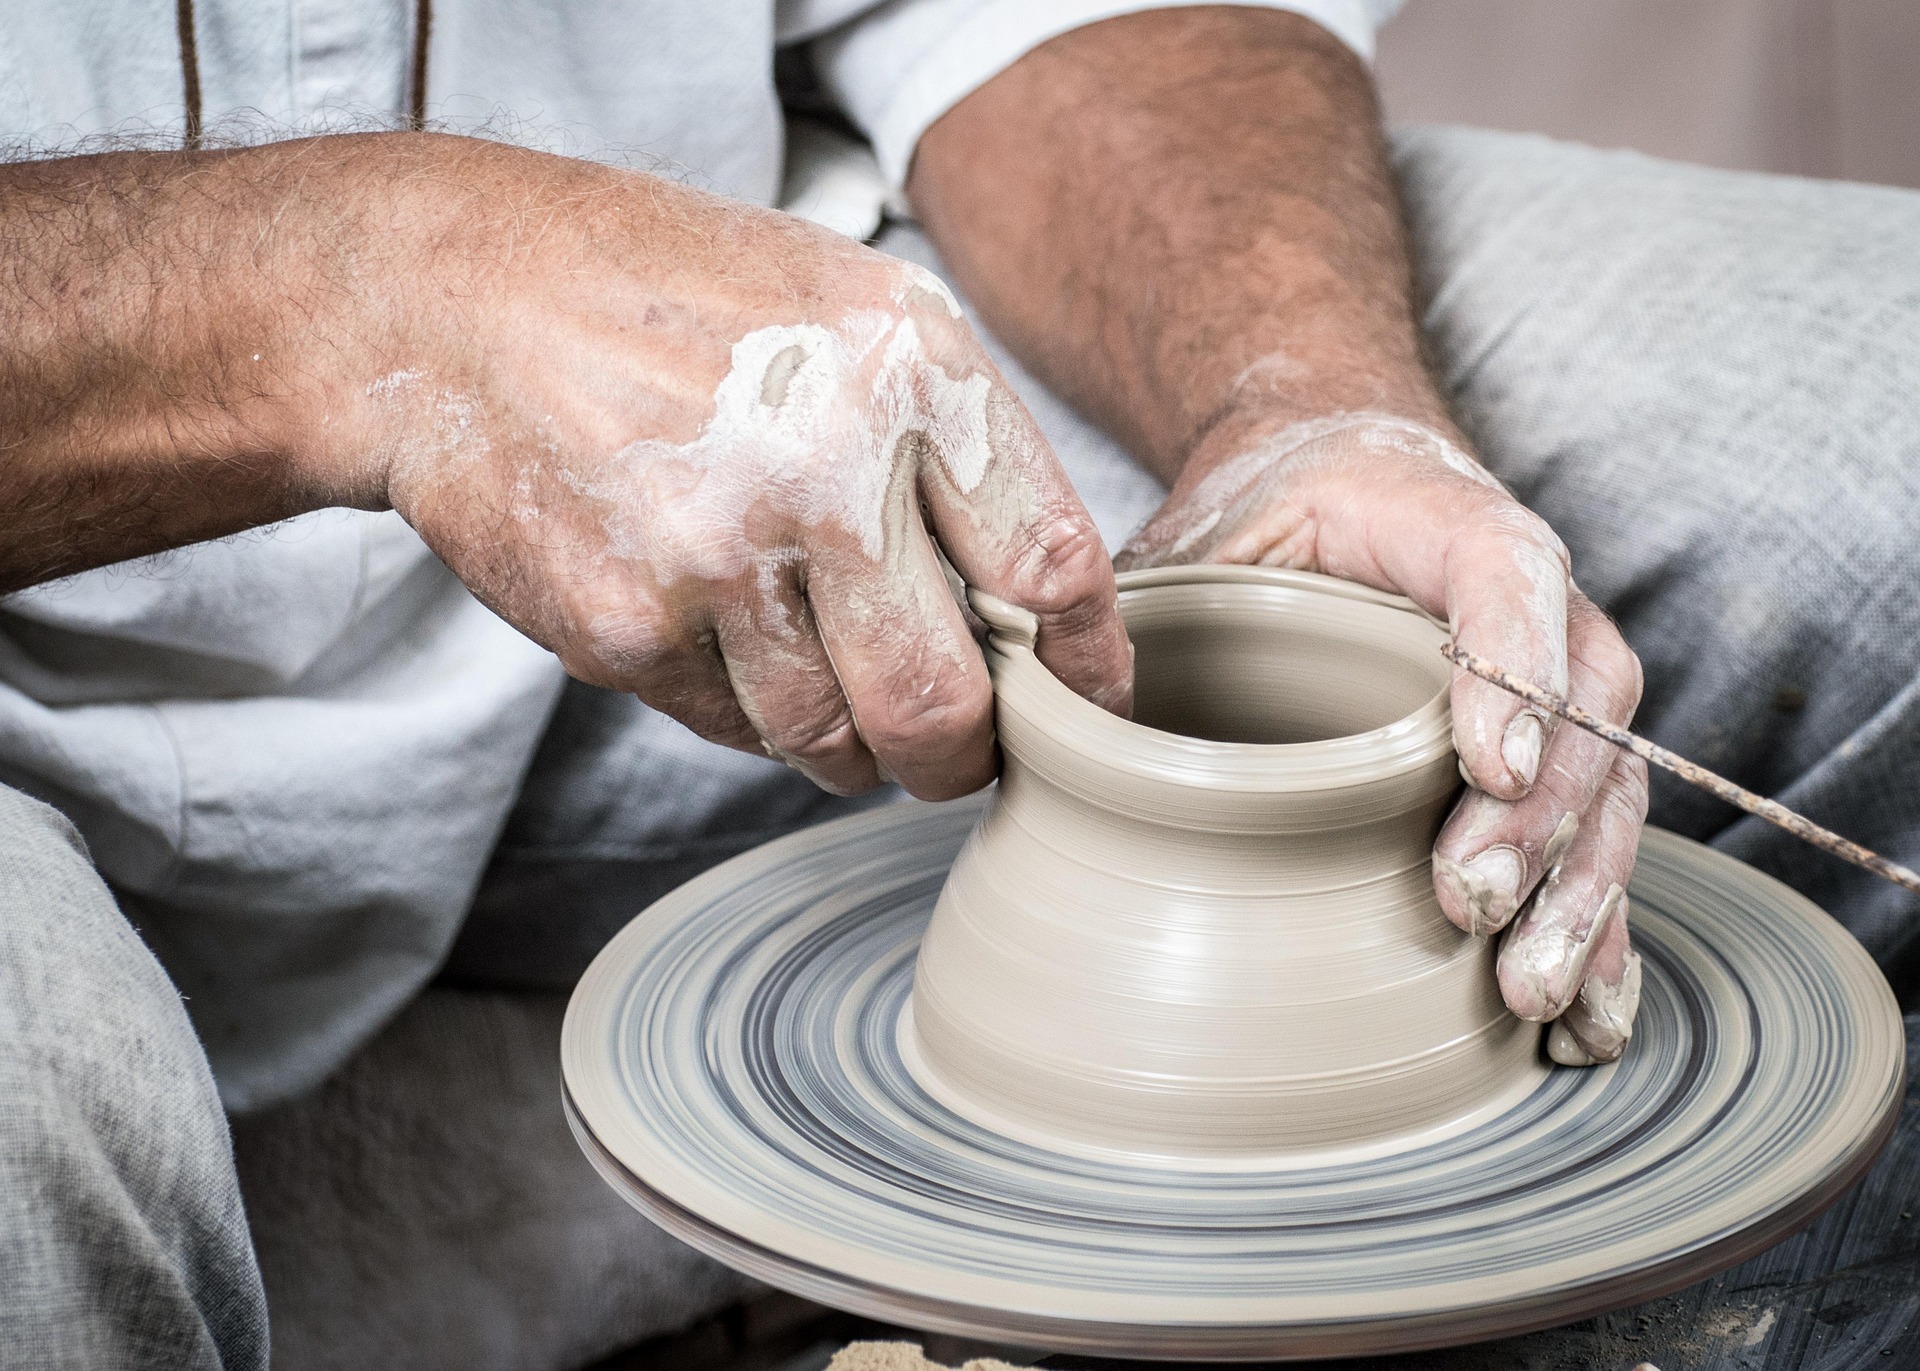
702,452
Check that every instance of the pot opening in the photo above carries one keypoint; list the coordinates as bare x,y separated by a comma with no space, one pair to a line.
1240,675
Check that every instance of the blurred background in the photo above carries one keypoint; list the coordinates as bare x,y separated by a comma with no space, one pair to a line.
1808,87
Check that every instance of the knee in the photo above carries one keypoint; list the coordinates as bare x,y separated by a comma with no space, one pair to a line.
82,1000
1774,629
115,1166
38,843
60,926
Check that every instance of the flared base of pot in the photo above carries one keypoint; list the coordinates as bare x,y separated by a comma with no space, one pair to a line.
1250,1135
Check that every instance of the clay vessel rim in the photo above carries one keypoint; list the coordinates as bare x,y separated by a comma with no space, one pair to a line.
1087,738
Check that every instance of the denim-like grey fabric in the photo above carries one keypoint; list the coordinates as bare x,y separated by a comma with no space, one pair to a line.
122,1240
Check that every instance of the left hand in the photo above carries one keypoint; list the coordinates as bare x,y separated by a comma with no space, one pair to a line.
1548,830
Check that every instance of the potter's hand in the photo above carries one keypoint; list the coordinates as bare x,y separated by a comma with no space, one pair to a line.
1549,828
693,447
703,451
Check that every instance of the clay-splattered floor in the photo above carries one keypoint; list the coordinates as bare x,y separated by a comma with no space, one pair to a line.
1842,1296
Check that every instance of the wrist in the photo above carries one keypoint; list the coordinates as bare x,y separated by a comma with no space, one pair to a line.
1316,349
244,316
347,307
1254,435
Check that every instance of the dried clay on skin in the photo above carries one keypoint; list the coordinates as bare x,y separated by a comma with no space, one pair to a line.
1210,513
1547,966
454,437
809,420
1599,1023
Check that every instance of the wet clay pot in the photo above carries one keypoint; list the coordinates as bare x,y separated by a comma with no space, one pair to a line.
1211,931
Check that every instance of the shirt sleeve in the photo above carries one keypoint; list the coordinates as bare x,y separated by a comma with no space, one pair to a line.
900,65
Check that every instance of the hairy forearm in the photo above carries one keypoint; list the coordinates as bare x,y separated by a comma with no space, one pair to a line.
192,343
1183,221
144,355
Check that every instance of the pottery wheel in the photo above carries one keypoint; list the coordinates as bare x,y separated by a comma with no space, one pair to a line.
732,1065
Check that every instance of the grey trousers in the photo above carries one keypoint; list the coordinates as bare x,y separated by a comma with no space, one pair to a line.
122,1238
1709,383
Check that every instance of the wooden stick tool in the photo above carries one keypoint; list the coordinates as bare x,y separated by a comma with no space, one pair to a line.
1694,774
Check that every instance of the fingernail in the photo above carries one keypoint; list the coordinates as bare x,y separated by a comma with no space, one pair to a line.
1520,748
884,771
1544,970
1599,1023
1488,885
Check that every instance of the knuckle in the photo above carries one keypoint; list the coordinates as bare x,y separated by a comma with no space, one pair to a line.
822,734
1062,569
712,715
931,717
625,642
1624,798
1612,666
918,289
1517,530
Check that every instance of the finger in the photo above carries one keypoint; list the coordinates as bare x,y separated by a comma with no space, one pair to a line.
1470,553
1009,519
672,664
1492,852
1396,505
1264,506
1543,958
1598,1024
910,672
786,685
1507,598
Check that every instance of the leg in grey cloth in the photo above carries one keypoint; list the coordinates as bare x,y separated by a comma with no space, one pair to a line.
1709,384
122,1239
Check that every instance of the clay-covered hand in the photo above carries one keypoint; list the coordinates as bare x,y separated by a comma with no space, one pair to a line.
704,452
1543,842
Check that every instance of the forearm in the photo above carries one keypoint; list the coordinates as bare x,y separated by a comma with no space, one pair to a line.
172,333
1184,222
